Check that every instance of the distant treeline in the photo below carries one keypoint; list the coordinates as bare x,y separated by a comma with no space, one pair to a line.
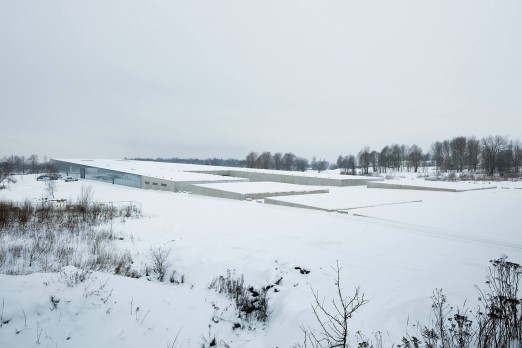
230,162
492,155
489,155
23,165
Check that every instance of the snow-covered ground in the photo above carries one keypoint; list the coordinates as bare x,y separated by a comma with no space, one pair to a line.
353,197
397,254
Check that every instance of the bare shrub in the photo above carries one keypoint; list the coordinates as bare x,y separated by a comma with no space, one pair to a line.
85,198
42,237
251,303
176,279
74,277
124,266
212,341
160,262
500,319
3,257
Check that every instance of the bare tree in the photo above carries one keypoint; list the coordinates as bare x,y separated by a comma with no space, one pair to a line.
415,156
364,158
265,160
33,163
436,150
339,162
301,164
344,164
313,164
446,155
278,160
396,155
332,319
251,160
472,153
458,152
85,197
374,159
491,148
288,161
384,158
351,163
4,171
322,165
517,156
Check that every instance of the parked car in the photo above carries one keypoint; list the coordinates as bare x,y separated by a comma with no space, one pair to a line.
45,177
42,177
70,178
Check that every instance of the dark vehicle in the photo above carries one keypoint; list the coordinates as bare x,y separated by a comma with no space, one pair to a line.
45,177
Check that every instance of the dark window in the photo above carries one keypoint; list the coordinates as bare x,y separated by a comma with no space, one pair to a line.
147,182
164,185
155,183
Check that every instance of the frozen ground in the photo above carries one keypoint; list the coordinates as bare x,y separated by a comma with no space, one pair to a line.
398,254
353,197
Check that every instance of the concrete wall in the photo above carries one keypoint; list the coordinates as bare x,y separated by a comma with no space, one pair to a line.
295,205
151,183
383,185
213,192
296,178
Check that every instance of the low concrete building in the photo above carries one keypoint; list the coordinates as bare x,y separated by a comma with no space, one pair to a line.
197,178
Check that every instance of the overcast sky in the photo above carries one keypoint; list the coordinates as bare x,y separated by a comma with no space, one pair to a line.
109,79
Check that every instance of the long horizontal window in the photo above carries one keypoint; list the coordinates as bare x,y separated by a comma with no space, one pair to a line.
113,177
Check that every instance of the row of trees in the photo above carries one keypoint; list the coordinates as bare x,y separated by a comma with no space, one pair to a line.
393,156
15,164
493,154
286,161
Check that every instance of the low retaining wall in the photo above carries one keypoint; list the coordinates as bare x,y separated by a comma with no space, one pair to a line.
384,185
291,178
294,205
151,183
213,192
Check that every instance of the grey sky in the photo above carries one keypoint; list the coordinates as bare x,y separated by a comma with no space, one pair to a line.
110,79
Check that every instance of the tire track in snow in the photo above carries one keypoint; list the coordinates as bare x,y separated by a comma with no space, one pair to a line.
438,232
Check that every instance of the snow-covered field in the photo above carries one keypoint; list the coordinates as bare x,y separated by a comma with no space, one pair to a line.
397,254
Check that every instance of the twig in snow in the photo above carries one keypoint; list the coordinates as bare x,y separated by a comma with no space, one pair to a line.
2,314
145,317
38,332
107,298
25,318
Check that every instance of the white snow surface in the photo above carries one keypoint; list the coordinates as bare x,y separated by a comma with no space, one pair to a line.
397,254
260,187
353,197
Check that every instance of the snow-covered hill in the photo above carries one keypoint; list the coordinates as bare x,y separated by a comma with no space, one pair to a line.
397,254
